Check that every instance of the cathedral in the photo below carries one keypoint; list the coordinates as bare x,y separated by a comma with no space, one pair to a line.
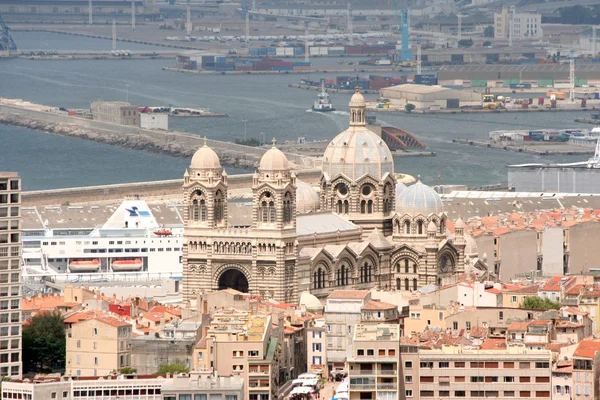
362,229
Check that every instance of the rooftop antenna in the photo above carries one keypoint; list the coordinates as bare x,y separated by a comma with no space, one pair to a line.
90,13
114,34
349,26
133,15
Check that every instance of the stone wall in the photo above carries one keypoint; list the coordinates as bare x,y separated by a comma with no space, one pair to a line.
171,187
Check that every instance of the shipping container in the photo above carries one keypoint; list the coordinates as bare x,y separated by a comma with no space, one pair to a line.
376,85
508,82
298,51
301,67
323,51
478,82
282,68
289,51
545,82
336,52
301,64
280,51
520,86
330,81
581,81
244,68
282,63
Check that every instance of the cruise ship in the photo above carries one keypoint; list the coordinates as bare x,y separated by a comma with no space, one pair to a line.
103,242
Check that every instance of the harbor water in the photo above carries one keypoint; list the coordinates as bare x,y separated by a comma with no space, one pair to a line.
270,108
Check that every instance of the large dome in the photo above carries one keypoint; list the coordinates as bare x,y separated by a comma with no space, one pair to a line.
356,152
400,187
307,198
205,158
274,160
419,199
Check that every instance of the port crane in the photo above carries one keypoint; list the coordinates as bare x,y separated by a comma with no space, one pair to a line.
594,162
7,42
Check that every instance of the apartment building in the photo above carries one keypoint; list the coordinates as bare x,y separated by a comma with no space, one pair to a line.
97,346
420,318
195,385
505,372
586,371
115,112
240,343
342,314
379,312
316,347
524,26
10,275
373,367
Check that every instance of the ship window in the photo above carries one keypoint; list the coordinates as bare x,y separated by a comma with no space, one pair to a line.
144,250
160,249
111,242
128,242
127,250
168,249
176,249
119,242
101,250
94,242
152,250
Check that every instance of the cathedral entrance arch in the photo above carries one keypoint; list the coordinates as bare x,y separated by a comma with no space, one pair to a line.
233,277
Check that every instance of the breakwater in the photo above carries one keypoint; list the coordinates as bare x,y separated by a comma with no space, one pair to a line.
174,143
541,149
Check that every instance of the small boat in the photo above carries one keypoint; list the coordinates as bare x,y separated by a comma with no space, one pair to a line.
127,265
84,265
163,232
323,103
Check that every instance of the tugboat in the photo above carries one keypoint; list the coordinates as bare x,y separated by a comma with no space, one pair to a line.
323,103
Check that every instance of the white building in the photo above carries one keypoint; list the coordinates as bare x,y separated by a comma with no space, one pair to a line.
10,275
154,121
524,26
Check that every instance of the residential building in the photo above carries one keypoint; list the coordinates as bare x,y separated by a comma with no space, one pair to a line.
195,385
373,365
468,294
458,372
493,318
10,275
586,373
408,371
115,112
97,346
316,347
589,301
554,289
379,312
421,317
242,343
148,353
514,296
342,314
562,380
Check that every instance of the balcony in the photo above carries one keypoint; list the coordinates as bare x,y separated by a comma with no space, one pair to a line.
361,387
257,372
570,302
387,386
362,372
387,372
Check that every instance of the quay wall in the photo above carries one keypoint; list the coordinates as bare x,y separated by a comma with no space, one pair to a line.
172,142
167,188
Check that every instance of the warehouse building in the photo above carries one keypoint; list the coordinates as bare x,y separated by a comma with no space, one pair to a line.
425,97
482,55
115,112
544,75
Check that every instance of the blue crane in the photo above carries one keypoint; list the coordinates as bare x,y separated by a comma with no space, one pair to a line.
7,43
404,54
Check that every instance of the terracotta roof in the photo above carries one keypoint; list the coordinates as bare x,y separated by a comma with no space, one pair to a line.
555,347
41,303
575,290
553,285
575,311
540,322
518,326
153,317
80,316
348,294
494,344
587,349
478,331
525,290
112,322
567,324
376,305
494,291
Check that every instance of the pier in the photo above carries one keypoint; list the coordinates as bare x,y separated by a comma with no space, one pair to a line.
542,149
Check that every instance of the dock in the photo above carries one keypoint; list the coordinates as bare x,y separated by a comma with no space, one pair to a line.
303,72
542,149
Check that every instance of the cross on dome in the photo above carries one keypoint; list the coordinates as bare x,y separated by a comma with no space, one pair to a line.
205,145
274,141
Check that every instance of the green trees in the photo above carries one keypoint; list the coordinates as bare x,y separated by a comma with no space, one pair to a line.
465,43
44,344
409,107
488,32
128,371
580,15
487,43
173,368
538,303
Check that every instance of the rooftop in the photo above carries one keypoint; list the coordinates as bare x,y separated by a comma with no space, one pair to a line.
377,332
348,294
376,305
587,349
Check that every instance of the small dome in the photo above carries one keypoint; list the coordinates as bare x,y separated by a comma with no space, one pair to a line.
205,158
274,160
431,227
460,224
307,198
471,245
419,199
357,100
400,187
310,301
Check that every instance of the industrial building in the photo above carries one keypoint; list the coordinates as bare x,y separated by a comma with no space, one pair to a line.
115,112
544,75
482,55
158,121
524,26
425,97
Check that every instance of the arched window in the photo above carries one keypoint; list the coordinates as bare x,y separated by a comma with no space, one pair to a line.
407,227
263,212
406,287
346,207
203,210
195,210
363,206
342,275
366,273
398,284
287,208
319,278
272,215
219,211
339,207
420,227
414,268
406,266
370,206
442,226
439,281
415,284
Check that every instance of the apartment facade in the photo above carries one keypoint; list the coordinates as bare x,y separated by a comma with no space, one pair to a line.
239,343
586,370
342,314
316,348
97,346
456,372
524,26
373,366
115,112
10,275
